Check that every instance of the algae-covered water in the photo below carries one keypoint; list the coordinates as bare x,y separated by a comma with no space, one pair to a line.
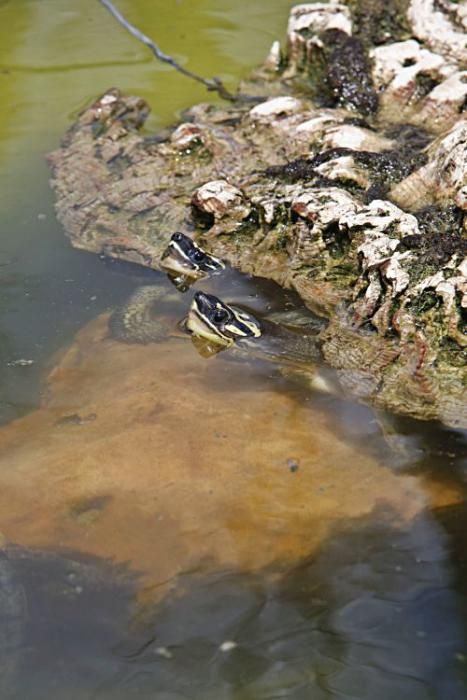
174,527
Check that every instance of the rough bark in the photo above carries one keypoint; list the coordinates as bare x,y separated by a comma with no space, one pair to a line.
347,183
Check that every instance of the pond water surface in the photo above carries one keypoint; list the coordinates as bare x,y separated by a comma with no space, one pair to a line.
174,527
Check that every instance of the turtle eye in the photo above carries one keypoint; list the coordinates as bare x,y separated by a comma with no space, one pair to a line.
198,255
220,315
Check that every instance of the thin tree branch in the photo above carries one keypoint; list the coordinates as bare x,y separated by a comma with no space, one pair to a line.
213,84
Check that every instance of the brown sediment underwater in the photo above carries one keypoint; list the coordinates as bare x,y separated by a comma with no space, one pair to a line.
184,465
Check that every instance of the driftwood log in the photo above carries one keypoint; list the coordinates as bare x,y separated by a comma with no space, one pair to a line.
346,181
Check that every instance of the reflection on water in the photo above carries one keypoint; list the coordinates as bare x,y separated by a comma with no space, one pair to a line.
371,615
237,577
59,617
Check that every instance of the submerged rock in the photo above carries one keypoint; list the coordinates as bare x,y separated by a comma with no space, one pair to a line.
238,509
302,188
184,464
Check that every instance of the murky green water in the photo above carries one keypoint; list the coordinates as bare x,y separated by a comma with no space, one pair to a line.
377,610
56,56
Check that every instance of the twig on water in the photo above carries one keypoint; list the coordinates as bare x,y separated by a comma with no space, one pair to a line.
214,84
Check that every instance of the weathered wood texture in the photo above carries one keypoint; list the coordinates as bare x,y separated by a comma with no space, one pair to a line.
346,181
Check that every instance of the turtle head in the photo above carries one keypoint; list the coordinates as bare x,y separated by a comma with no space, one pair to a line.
212,319
185,257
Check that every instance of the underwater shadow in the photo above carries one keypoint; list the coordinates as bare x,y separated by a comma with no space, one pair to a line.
372,615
